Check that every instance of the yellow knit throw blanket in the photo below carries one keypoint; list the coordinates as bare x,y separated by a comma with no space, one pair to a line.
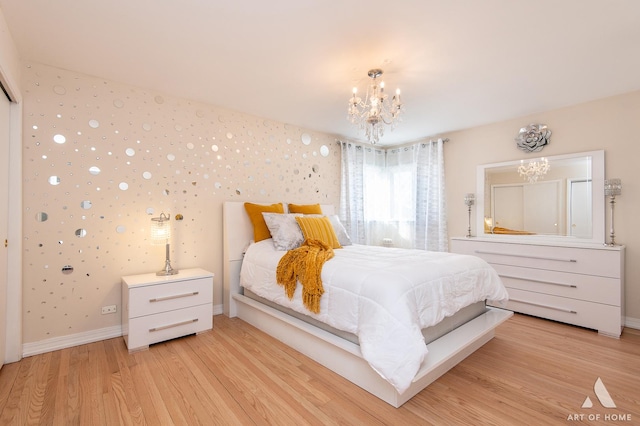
304,264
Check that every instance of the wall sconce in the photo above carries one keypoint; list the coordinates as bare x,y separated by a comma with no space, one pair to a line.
469,200
160,234
612,187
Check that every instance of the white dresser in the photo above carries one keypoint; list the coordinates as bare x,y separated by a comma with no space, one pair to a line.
580,284
157,308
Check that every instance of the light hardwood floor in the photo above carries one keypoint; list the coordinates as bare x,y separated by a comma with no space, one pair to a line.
533,372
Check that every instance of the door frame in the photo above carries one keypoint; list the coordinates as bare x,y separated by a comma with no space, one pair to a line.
13,347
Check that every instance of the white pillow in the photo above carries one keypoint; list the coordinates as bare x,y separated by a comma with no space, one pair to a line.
284,229
341,233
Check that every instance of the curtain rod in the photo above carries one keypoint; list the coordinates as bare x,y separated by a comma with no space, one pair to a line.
394,146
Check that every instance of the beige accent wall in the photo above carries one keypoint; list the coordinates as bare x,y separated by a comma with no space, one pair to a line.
128,155
608,124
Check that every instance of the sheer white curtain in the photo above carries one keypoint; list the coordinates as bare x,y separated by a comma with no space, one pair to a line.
395,196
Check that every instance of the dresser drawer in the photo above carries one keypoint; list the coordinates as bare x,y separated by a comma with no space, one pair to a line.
150,329
589,261
576,286
604,318
152,299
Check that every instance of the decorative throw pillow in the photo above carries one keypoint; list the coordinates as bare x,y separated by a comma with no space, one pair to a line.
260,230
284,229
338,228
305,208
318,228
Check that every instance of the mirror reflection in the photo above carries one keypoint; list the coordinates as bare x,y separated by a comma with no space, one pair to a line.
554,196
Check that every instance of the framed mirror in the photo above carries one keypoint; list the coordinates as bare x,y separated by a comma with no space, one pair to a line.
559,198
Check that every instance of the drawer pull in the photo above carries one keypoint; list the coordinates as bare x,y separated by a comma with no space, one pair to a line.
557,259
176,296
164,327
569,311
541,281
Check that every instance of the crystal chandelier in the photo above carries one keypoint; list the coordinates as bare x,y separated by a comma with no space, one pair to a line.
534,170
375,111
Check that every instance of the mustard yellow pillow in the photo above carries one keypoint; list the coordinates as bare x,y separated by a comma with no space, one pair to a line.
318,228
260,230
305,208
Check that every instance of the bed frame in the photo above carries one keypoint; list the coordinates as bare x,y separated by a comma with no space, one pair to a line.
333,352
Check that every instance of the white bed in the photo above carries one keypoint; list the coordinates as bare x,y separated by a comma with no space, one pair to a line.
335,352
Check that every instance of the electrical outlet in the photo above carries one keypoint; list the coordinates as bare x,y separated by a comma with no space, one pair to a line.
111,309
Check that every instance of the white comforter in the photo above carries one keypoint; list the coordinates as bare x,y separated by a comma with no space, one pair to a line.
385,296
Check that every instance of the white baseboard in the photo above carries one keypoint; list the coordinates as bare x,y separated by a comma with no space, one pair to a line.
63,342
632,323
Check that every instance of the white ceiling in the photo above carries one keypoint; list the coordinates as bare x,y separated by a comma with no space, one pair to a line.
459,63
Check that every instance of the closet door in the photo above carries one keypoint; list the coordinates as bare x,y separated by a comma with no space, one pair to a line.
4,219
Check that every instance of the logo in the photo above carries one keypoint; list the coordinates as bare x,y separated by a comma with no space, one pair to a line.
605,401
602,394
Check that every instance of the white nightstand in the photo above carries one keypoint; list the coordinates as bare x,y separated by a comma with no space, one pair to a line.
157,308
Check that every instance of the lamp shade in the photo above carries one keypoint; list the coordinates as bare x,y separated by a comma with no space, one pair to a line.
469,199
612,187
160,229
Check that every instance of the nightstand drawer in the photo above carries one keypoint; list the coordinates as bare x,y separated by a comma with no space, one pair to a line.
150,329
152,299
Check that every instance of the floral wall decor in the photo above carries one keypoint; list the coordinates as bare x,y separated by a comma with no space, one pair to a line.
533,138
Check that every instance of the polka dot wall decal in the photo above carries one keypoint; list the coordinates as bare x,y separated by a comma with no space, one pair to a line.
123,186
306,138
59,139
167,152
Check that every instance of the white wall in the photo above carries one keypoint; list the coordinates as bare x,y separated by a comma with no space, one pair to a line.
609,124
